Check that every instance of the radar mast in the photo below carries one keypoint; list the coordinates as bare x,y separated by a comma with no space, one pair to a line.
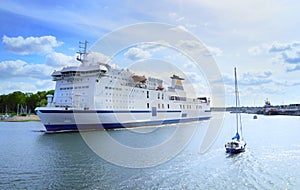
82,57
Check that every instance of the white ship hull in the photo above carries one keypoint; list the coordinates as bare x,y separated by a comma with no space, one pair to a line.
73,120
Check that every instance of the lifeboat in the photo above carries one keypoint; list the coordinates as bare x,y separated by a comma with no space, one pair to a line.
160,87
138,78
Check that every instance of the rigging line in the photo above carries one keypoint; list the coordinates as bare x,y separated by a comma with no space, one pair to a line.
236,100
238,103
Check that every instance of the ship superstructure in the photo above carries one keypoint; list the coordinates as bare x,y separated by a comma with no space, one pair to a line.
101,97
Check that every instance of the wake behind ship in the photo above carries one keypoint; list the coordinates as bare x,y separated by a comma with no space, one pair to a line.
95,97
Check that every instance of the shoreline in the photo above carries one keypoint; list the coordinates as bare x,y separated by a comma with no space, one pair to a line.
22,118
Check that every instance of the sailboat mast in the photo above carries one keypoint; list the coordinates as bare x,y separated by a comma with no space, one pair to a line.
236,100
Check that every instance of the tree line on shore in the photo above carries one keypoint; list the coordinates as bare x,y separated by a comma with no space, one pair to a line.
18,101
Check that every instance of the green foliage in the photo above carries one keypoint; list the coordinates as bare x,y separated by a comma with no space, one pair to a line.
9,103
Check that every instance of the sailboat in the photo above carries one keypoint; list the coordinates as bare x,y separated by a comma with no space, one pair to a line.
237,143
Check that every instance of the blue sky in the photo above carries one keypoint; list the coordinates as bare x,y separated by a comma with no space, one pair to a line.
260,38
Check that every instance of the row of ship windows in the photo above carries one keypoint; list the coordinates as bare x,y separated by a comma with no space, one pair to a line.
114,94
190,107
162,106
118,78
67,94
126,89
77,73
76,80
76,87
132,107
120,107
72,80
69,100
87,72
112,88
159,95
120,101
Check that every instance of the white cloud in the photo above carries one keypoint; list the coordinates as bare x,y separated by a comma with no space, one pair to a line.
279,47
291,57
195,77
262,91
253,78
30,45
273,47
137,53
55,59
96,57
257,50
189,45
189,64
144,50
256,78
215,51
196,46
286,53
287,83
19,68
180,28
7,87
31,77
153,46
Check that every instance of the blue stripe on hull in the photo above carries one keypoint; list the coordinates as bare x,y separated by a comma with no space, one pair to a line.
105,111
75,127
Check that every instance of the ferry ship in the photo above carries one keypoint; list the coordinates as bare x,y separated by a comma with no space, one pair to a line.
97,97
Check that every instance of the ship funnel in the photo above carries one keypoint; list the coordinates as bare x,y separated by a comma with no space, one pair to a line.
49,99
177,82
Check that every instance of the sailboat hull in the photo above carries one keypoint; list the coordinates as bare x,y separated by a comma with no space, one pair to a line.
234,151
235,146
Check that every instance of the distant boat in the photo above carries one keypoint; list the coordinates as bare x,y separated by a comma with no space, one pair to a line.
6,116
237,143
271,111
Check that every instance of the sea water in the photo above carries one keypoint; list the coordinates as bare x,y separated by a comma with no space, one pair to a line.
30,159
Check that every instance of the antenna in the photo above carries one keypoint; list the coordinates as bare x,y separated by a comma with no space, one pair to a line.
82,54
